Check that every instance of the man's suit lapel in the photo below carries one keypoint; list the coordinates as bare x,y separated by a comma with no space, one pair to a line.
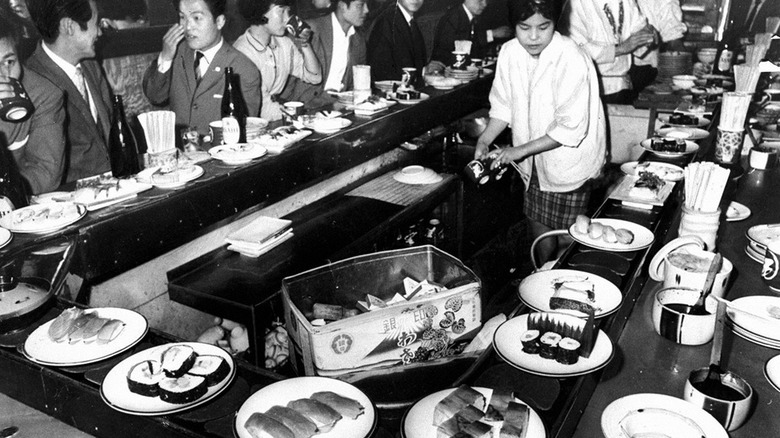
102,106
215,73
186,60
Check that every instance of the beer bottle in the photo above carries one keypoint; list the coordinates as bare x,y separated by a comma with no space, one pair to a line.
121,144
234,110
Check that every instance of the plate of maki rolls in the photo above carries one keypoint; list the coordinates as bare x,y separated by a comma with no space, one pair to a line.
303,407
168,379
553,344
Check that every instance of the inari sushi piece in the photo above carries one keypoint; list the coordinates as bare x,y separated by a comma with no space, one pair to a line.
321,414
213,368
455,402
345,406
182,389
177,360
299,424
262,426
144,378
63,323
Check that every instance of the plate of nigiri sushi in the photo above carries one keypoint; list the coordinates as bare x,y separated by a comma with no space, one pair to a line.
83,336
168,378
305,406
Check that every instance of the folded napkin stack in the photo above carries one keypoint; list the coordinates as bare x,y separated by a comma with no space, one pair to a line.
260,236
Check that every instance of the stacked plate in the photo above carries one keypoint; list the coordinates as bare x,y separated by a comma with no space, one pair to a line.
756,319
674,63
470,73
328,126
759,237
255,127
417,175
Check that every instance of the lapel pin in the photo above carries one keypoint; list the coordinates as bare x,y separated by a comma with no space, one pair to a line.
217,69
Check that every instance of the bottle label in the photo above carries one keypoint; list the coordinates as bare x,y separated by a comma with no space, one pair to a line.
231,131
724,62
6,206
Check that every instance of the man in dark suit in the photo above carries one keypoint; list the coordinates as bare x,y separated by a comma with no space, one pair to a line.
189,77
396,42
37,144
69,30
461,22
339,43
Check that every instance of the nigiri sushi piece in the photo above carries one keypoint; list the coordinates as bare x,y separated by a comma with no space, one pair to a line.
110,331
345,406
87,332
262,426
321,414
62,324
299,424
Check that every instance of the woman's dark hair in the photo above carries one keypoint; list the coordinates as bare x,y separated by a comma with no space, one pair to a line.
521,10
122,9
46,14
217,7
9,25
254,11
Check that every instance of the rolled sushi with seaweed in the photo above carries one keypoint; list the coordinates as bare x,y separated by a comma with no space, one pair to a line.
177,360
530,341
182,389
213,368
568,351
144,378
548,345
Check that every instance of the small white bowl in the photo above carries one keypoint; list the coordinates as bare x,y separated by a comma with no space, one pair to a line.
684,82
707,56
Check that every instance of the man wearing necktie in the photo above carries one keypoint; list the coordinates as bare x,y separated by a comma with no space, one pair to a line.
69,30
461,22
190,77
396,42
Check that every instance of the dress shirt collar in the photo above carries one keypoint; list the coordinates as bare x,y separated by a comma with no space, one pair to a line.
468,13
337,26
260,47
209,54
406,13
66,66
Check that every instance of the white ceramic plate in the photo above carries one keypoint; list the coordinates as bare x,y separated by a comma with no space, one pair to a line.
418,421
51,197
11,221
116,394
772,371
285,391
423,96
506,341
690,148
642,236
692,133
328,126
752,337
754,254
238,154
5,237
665,171
656,267
766,324
737,212
41,349
703,121
184,176
764,234
619,409
537,289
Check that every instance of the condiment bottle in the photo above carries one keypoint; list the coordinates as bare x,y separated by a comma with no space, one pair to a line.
121,144
234,110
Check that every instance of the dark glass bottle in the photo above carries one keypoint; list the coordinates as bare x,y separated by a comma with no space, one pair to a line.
234,110
121,143
726,55
13,189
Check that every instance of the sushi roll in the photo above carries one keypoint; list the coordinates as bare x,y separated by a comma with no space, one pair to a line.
183,389
213,368
300,426
345,406
144,378
177,360
548,344
530,341
321,414
568,351
262,426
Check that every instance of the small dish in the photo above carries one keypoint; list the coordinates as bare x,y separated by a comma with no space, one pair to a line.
737,212
772,372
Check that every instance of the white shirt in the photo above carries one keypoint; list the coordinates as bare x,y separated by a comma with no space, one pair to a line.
556,94
406,14
70,71
471,19
666,16
591,29
340,53
208,56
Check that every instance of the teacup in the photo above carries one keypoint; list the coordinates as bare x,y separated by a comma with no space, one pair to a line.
762,157
673,319
215,131
18,107
687,267
729,401
293,109
296,26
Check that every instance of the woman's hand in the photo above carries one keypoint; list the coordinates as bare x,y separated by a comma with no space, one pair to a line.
171,40
506,156
640,38
482,149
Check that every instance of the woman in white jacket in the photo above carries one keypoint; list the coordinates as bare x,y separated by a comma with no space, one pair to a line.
547,91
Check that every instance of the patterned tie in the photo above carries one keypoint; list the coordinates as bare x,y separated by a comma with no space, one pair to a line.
81,84
198,57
